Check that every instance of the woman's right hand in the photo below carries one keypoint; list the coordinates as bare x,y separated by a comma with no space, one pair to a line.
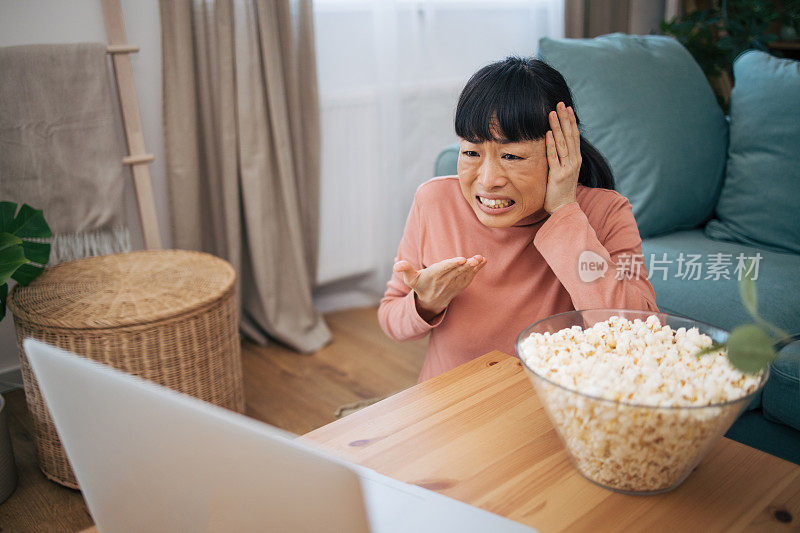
436,285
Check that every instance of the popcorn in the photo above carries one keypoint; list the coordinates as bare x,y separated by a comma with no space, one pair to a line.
641,408
638,359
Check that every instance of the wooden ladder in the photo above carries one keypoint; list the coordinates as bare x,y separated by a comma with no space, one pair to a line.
137,158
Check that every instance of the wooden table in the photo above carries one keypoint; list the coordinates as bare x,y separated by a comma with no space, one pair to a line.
480,435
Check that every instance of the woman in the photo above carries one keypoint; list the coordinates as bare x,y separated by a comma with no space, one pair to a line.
523,232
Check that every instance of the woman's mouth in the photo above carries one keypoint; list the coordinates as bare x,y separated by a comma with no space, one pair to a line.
495,206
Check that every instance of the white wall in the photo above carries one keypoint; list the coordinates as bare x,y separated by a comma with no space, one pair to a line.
58,21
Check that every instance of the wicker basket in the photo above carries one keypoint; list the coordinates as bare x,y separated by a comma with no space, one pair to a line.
169,316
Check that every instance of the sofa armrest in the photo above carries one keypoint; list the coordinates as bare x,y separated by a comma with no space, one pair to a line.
780,399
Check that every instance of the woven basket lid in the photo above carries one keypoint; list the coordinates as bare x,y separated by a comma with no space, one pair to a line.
121,290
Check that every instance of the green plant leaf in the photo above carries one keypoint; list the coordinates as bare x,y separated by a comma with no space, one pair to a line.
11,259
750,348
7,210
7,240
3,297
37,252
16,251
747,290
27,273
30,222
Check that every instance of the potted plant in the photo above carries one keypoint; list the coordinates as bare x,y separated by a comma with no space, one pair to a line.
716,35
23,255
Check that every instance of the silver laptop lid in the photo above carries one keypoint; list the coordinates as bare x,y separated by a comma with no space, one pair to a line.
151,459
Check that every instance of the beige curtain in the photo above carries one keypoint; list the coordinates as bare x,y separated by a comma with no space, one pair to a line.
242,147
590,18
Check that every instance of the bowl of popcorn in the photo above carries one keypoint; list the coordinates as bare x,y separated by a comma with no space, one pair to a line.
634,405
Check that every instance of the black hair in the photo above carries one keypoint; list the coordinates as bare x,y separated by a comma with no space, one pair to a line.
516,95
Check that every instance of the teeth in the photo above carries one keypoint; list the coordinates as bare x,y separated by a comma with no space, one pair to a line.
494,203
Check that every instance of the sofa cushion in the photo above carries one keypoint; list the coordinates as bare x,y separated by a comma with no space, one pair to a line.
717,301
759,199
646,105
447,161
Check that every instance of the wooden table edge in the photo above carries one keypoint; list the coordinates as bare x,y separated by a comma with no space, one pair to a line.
495,357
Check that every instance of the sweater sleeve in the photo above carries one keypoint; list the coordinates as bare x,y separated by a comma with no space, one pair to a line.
571,247
397,313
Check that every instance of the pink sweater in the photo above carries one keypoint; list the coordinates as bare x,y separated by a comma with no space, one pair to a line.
531,270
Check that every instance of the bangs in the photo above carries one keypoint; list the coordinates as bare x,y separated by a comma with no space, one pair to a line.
504,96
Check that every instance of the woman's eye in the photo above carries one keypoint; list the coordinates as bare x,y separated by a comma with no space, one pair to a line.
511,157
470,153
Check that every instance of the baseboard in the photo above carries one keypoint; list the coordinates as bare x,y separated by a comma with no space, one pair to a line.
358,291
326,303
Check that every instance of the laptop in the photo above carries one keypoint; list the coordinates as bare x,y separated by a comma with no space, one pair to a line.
148,458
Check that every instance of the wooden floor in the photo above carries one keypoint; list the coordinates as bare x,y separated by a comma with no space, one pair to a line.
294,392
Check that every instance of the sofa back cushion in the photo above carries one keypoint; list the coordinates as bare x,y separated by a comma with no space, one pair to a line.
760,198
645,103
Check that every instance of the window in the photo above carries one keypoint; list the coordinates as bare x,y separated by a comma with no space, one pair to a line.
389,74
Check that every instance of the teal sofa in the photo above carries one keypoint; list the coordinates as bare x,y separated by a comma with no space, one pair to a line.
702,184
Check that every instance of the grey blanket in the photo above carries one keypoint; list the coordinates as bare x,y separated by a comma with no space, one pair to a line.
61,145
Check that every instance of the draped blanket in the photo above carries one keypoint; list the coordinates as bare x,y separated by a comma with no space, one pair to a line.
61,145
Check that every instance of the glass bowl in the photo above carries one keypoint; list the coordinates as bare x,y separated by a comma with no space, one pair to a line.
624,446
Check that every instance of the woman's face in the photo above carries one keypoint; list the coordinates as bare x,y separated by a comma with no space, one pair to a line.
503,182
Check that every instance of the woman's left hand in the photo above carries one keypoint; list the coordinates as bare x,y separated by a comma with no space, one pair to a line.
563,158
